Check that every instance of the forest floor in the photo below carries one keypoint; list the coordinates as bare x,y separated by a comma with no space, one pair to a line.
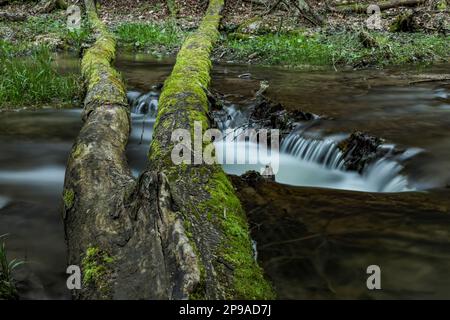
250,33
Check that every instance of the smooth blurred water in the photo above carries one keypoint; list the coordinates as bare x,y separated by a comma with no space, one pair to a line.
34,146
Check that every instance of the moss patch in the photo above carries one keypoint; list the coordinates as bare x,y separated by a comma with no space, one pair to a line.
249,282
69,198
95,266
185,101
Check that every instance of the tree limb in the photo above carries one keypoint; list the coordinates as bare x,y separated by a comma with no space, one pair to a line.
12,16
362,8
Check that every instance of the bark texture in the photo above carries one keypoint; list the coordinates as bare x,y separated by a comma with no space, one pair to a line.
46,6
165,235
206,202
362,8
12,16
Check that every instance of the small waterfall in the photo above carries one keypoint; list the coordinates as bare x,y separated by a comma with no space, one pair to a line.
230,118
385,176
144,109
324,152
143,103
302,161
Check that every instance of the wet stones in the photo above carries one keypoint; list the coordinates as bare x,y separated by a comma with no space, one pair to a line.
267,114
360,149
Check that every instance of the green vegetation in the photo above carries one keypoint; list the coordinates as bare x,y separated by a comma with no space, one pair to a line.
344,48
95,266
7,285
249,282
296,49
50,31
69,198
188,100
33,81
150,36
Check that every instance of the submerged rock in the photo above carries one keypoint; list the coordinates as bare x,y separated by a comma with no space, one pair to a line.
359,150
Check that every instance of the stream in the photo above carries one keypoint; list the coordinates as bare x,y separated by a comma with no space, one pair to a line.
414,119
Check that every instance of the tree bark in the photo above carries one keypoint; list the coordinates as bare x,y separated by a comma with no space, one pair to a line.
164,236
362,8
12,16
205,197
46,6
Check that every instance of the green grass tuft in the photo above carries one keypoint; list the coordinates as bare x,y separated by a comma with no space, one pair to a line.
33,80
150,35
7,283
339,49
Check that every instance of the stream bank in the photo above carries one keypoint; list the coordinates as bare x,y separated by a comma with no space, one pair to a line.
247,35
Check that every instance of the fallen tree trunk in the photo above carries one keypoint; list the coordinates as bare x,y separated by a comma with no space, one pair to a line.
205,197
362,8
47,6
164,236
12,16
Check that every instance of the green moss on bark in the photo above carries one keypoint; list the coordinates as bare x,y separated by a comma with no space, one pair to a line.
184,101
96,265
69,198
104,83
236,250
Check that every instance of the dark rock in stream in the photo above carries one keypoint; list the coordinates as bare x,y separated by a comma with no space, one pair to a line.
268,114
360,149
317,243
263,113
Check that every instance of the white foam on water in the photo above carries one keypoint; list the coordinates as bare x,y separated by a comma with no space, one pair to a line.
3,201
382,176
51,176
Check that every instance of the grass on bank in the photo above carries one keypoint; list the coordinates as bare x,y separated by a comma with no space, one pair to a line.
344,48
150,36
51,31
295,48
7,283
33,80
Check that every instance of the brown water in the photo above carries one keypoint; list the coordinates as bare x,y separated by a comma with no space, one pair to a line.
35,144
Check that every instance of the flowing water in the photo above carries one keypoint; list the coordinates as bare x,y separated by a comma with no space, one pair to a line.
35,144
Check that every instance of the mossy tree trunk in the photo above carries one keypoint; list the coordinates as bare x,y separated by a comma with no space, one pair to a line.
178,231
206,202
